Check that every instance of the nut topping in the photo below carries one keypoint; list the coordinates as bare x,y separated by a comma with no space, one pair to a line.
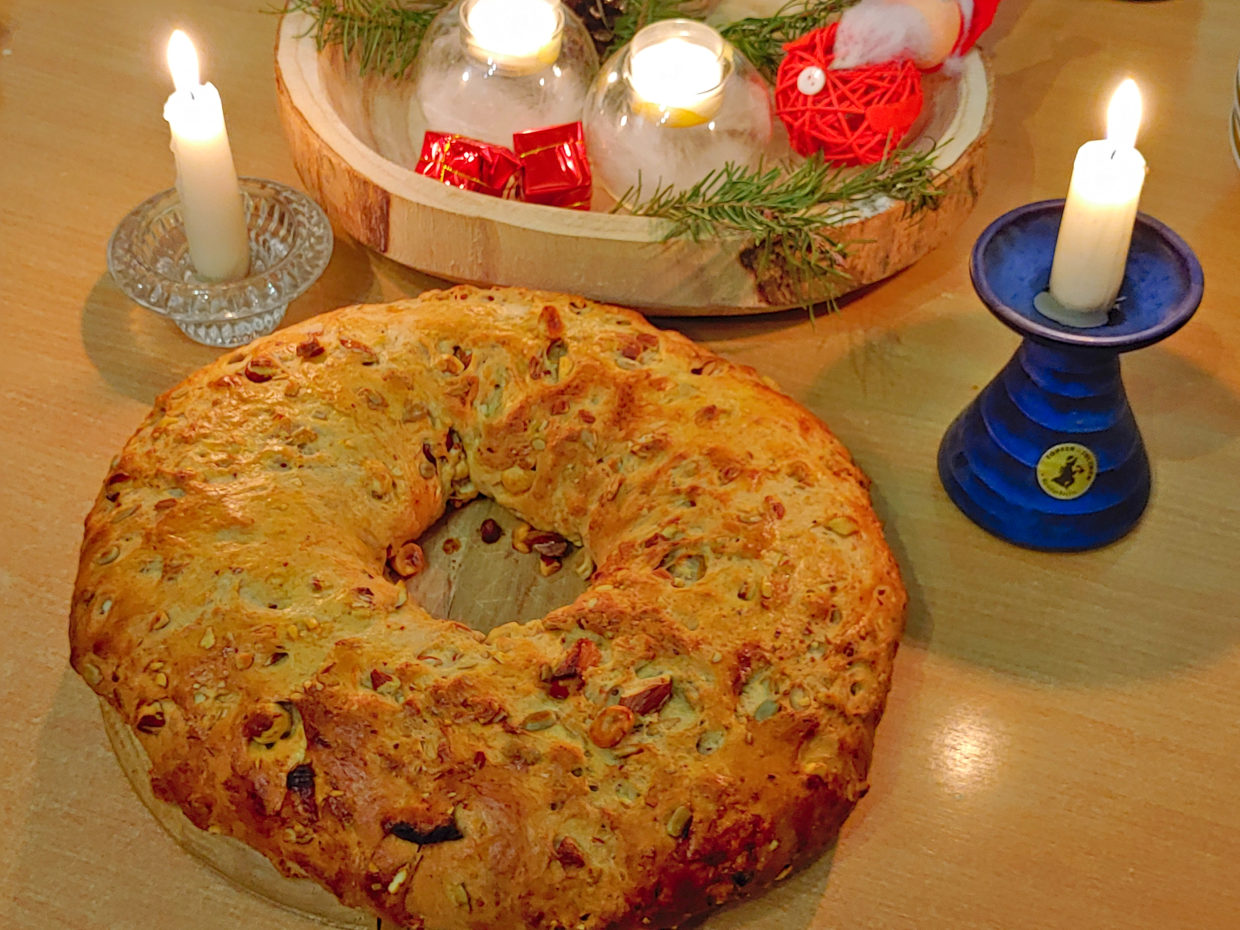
842,526
270,725
551,545
490,531
569,853
310,348
611,726
150,718
373,398
650,698
516,480
378,679
583,654
408,560
678,824
539,720
364,352
261,368
567,677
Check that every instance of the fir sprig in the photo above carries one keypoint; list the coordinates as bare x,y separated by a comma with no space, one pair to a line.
761,39
789,214
383,35
641,13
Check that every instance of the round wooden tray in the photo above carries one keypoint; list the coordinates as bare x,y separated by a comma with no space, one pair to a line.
349,137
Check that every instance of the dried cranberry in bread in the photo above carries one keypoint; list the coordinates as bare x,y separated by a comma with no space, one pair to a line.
694,725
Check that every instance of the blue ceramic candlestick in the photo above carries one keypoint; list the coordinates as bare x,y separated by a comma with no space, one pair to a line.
1049,455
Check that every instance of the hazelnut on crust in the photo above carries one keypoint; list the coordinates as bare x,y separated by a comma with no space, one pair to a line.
689,729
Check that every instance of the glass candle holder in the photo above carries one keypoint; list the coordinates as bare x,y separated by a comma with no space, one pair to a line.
674,104
490,68
290,245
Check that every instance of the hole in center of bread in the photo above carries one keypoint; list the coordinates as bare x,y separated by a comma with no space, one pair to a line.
485,585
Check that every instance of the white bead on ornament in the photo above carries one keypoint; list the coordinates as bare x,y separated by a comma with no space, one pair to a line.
811,80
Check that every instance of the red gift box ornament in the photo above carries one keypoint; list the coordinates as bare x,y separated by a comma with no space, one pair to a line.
557,171
470,164
856,116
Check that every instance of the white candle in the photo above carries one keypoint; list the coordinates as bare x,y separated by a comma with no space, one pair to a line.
518,36
1096,231
211,206
677,71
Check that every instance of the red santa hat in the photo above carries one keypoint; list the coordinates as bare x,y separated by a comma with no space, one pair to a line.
926,31
976,17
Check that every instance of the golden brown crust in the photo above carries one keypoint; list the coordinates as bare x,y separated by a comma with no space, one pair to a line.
694,725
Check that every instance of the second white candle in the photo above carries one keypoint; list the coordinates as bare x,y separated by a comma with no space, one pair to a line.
1096,231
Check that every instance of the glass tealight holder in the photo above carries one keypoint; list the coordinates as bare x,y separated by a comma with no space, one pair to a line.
490,68
290,245
674,104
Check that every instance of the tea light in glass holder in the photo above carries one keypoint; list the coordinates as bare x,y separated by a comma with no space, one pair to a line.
519,36
677,82
673,105
491,68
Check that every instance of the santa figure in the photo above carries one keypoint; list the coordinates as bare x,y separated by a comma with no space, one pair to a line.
852,89
929,32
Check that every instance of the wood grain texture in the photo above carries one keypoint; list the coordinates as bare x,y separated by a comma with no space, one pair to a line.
351,141
333,180
1062,744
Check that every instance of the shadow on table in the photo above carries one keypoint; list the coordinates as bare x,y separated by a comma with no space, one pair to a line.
141,354
84,848
1112,615
720,330
790,905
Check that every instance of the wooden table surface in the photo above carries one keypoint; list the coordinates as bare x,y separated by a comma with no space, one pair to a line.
1062,744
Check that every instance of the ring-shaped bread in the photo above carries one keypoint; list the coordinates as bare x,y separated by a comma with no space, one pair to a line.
691,728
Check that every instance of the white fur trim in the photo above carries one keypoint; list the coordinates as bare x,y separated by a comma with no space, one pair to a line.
966,13
873,32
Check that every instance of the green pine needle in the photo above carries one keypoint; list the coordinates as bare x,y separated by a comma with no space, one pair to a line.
789,215
761,39
383,34
641,13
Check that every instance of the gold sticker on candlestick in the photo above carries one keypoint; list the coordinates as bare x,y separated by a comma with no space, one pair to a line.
1067,471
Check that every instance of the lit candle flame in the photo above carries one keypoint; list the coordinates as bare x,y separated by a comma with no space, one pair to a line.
182,61
677,70
1124,115
674,71
509,29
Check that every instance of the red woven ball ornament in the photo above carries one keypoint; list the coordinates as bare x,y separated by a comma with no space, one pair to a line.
855,116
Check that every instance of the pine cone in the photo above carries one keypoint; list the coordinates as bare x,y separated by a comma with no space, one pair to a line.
599,17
